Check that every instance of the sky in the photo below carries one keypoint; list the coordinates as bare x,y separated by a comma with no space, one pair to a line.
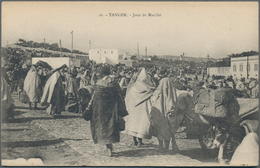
193,28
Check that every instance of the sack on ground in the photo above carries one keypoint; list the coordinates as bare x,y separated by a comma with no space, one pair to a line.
24,97
87,114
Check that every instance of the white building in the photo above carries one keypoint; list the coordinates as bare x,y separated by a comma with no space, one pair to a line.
246,66
109,56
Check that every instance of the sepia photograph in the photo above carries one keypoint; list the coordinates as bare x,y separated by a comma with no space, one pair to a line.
127,83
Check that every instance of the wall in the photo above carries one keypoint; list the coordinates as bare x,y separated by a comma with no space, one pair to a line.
109,56
128,63
223,71
57,62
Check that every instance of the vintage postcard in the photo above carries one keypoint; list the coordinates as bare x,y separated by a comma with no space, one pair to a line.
129,83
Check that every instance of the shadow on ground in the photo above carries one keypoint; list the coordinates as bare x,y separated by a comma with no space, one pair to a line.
198,154
36,143
31,143
17,112
21,107
28,119
144,150
18,129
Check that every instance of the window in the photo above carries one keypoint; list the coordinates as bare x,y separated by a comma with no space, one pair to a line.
256,67
105,52
111,52
97,51
234,68
241,67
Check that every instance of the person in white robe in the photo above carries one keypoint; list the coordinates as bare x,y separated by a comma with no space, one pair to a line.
138,105
31,87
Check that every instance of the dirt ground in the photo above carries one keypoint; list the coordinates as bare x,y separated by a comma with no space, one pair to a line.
67,141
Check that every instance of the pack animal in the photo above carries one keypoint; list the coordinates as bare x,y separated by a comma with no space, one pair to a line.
211,132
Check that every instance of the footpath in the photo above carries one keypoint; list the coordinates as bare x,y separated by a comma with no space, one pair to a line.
67,141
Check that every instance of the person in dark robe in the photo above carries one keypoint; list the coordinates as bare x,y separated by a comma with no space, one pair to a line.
107,108
72,91
54,93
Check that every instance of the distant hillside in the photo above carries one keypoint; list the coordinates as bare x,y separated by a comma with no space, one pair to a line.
187,58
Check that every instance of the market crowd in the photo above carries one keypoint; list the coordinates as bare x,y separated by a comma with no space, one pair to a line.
142,102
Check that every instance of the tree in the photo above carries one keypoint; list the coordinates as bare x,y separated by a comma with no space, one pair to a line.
245,53
21,40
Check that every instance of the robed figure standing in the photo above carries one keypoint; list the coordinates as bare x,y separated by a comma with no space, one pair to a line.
32,86
107,108
54,93
164,115
72,91
138,104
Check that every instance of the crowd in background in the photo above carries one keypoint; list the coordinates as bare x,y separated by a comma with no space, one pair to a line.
91,73
75,78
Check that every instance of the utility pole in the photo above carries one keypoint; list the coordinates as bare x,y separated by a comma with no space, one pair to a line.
146,53
208,64
247,67
7,43
89,44
71,43
138,50
44,44
60,49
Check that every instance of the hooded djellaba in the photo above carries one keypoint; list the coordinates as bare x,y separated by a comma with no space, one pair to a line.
31,86
138,105
54,93
164,118
107,108
72,91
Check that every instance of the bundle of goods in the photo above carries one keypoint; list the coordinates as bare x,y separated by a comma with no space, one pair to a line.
219,103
